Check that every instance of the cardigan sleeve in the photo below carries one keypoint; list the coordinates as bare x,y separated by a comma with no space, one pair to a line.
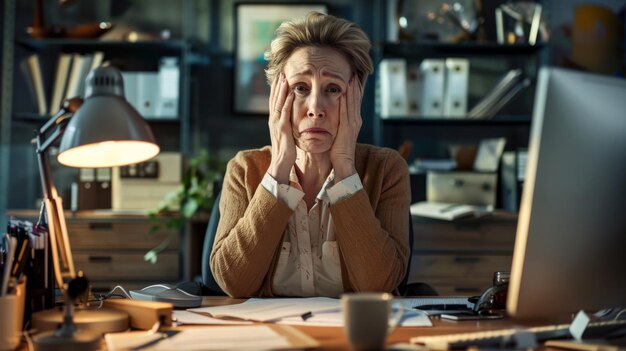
250,230
373,238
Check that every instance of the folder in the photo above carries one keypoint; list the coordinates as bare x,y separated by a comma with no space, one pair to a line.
433,87
413,90
457,77
393,97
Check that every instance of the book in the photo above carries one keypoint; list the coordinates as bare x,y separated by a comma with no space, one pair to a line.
32,72
76,80
60,82
447,211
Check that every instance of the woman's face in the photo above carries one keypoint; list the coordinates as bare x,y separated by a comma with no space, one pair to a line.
319,77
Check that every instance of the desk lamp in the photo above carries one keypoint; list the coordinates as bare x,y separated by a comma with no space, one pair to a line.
104,130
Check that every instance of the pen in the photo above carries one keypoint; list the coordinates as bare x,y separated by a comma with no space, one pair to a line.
307,315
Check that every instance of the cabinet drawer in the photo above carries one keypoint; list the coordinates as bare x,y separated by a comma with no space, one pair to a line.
469,235
427,267
117,235
106,265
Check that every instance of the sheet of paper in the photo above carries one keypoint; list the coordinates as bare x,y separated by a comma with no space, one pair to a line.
187,317
267,310
130,340
410,318
259,337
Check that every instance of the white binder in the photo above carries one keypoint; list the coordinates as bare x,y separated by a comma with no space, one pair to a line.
457,77
393,97
433,87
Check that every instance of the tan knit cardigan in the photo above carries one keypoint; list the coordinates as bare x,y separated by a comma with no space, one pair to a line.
371,226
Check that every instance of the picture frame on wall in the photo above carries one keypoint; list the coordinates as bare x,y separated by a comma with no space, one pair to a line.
255,24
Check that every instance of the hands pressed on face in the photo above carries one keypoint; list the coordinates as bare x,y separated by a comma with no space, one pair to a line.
342,151
282,138
283,145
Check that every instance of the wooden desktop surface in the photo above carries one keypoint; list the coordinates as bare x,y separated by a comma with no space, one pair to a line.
333,338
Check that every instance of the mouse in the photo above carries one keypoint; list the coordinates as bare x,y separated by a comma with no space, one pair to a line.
167,293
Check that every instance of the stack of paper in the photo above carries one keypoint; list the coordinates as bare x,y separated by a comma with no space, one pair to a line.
447,211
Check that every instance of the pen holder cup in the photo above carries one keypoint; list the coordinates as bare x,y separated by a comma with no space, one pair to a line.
11,317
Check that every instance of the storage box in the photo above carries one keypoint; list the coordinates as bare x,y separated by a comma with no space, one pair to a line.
473,188
142,189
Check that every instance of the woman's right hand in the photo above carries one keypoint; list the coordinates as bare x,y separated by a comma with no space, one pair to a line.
281,134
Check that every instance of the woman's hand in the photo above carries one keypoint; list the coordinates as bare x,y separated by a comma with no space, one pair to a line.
281,134
342,151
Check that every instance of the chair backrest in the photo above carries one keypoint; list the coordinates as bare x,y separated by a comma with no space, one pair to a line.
417,288
405,281
209,238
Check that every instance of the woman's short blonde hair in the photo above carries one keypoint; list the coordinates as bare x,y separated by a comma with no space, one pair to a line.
318,29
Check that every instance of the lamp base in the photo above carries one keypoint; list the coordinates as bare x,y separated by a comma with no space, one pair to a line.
79,341
97,321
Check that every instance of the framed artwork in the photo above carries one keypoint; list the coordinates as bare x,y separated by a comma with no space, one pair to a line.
254,31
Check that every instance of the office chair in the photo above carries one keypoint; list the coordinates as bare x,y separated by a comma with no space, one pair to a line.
210,286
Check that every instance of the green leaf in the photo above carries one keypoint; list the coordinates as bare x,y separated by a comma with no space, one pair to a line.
189,208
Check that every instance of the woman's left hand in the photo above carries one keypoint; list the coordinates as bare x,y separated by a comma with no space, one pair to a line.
342,151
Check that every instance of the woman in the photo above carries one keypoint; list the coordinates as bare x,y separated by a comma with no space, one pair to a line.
315,214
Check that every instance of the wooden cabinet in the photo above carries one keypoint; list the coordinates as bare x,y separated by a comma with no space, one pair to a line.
110,250
460,257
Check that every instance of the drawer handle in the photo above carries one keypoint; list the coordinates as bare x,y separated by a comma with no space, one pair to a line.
466,260
100,259
466,290
101,226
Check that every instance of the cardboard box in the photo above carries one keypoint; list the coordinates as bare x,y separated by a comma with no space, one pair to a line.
472,188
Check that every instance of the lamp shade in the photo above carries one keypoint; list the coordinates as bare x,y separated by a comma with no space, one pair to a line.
106,131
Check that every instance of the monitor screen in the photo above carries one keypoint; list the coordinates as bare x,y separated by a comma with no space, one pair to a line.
570,248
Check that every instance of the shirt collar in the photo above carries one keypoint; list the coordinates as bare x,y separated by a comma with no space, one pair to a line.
322,195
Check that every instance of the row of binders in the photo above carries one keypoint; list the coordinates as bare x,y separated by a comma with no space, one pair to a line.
438,88
69,79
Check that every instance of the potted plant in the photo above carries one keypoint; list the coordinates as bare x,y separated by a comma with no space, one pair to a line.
196,194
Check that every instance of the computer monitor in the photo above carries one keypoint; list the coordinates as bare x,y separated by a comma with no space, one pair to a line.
570,248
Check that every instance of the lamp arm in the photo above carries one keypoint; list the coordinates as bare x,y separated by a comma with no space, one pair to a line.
55,218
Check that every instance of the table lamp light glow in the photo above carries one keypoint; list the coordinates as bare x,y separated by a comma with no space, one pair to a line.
104,130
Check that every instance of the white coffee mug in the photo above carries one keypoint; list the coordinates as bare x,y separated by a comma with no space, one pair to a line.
367,319
11,316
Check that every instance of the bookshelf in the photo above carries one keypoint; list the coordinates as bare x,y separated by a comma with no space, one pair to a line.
432,136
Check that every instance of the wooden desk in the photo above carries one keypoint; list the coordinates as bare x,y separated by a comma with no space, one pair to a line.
333,338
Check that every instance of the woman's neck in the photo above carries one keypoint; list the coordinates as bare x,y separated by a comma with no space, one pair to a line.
312,171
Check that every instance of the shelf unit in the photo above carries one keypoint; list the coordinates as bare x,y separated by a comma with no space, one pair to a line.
527,57
120,53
